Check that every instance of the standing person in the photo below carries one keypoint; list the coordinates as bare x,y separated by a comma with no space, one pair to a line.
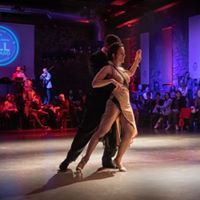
94,108
47,85
19,74
118,106
18,78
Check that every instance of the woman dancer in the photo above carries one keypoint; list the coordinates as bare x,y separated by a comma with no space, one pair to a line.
118,106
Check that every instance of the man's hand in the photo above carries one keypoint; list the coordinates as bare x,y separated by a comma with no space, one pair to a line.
117,84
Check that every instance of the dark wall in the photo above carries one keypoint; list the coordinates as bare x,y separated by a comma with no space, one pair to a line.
153,22
63,46
65,49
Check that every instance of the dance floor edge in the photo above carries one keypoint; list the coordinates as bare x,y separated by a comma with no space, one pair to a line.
160,167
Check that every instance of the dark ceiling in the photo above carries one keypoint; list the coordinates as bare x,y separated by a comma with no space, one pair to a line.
112,12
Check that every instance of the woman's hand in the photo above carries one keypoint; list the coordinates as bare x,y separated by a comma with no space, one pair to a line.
137,60
138,56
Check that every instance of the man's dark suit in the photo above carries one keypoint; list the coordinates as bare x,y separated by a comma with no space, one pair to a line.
94,108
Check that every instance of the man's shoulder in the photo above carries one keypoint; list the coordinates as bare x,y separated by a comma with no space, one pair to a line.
97,54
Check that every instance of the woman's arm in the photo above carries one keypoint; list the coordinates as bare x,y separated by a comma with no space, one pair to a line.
100,81
134,66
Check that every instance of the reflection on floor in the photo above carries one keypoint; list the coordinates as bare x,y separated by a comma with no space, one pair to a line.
160,167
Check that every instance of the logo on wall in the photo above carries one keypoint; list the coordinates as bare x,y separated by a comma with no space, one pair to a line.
9,46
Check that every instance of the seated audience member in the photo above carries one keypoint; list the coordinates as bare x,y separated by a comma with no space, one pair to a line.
71,95
28,96
147,110
36,111
178,103
147,90
172,92
195,88
165,112
140,91
156,112
62,109
195,114
10,111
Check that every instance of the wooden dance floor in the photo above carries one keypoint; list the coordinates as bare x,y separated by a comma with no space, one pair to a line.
161,166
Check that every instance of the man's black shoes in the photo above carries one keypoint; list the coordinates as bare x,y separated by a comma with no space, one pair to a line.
63,166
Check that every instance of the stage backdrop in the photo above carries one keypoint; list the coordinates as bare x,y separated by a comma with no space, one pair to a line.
16,48
144,43
194,46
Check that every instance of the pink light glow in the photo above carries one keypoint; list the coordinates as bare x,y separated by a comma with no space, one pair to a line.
119,2
129,23
166,28
86,21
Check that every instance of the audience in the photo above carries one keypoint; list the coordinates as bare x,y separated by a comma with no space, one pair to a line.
160,111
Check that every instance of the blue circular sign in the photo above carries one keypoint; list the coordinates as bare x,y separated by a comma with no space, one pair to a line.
9,46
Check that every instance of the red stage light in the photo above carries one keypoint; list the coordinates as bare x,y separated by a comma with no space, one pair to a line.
86,21
166,7
119,13
119,2
129,23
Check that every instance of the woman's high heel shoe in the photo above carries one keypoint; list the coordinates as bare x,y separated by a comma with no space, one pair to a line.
81,165
120,166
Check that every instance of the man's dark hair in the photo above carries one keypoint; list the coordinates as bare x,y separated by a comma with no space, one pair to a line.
110,39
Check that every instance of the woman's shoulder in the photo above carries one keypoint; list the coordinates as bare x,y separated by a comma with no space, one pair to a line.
108,67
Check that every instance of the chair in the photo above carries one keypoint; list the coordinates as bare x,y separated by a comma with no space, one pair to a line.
66,121
184,115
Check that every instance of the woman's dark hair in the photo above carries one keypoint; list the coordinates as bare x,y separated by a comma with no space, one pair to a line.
113,49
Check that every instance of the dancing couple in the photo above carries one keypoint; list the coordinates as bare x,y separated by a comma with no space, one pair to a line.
116,118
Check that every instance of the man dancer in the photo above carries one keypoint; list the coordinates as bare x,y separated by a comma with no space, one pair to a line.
94,108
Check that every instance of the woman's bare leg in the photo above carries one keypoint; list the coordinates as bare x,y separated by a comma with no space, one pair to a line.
106,123
129,134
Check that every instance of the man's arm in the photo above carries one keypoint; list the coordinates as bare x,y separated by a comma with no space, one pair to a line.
42,76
